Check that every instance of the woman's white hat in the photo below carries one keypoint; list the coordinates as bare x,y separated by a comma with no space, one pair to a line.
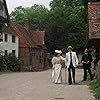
58,51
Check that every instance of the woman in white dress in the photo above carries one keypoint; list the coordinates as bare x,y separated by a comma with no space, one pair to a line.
57,67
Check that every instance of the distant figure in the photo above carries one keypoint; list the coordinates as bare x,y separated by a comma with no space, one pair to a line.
86,61
57,67
71,63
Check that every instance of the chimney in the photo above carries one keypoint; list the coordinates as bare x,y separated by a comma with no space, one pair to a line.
28,25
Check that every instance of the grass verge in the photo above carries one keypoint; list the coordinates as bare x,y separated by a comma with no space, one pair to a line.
5,72
95,86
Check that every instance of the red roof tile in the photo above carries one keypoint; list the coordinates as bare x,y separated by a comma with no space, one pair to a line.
28,38
38,36
24,39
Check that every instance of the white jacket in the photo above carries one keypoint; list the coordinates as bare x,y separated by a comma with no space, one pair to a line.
74,59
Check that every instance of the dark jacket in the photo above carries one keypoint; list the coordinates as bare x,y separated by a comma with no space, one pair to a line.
86,58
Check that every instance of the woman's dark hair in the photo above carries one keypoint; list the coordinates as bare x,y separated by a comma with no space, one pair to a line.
56,54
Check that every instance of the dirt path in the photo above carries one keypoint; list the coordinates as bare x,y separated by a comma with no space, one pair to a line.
38,86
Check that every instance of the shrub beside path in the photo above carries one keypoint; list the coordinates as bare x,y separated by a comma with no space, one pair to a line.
38,86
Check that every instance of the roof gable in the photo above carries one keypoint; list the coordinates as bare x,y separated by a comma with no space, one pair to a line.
27,38
24,39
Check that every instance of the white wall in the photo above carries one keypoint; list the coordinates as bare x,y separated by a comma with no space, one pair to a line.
9,45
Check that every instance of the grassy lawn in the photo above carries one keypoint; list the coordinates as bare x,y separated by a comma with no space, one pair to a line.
95,86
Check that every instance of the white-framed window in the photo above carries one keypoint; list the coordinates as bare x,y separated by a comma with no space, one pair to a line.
13,38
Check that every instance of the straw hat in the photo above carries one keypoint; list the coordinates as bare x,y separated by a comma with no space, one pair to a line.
58,51
69,47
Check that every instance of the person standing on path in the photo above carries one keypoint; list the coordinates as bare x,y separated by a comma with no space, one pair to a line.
57,67
71,63
86,61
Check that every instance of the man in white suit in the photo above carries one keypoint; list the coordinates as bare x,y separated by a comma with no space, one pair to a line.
71,63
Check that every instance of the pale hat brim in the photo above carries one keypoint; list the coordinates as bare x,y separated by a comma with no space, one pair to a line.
58,51
69,47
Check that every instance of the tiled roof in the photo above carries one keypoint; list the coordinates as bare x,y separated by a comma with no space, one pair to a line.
24,39
27,39
38,37
8,29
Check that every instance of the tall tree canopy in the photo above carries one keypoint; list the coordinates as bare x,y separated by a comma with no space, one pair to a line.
18,15
36,14
66,25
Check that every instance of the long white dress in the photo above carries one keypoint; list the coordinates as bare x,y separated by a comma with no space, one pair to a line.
57,67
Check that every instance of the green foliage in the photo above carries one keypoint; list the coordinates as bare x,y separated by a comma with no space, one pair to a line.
36,14
64,3
13,63
93,53
66,25
94,0
95,85
10,62
3,66
18,15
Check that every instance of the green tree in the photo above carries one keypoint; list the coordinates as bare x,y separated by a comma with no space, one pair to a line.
63,3
66,25
36,14
18,15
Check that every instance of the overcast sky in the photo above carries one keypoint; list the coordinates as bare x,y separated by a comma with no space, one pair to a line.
11,4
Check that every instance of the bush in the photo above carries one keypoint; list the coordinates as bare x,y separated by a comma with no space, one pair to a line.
10,62
3,66
95,86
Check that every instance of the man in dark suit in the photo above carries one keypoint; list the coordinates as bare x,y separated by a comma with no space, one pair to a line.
86,61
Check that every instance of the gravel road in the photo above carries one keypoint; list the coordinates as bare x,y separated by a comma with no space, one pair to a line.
38,86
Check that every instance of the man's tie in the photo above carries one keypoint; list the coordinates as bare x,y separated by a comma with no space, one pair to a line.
70,57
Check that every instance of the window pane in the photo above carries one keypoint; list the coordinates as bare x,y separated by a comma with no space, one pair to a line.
13,38
6,37
6,52
13,52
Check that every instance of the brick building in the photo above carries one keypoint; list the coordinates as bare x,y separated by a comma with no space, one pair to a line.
32,50
94,24
29,45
